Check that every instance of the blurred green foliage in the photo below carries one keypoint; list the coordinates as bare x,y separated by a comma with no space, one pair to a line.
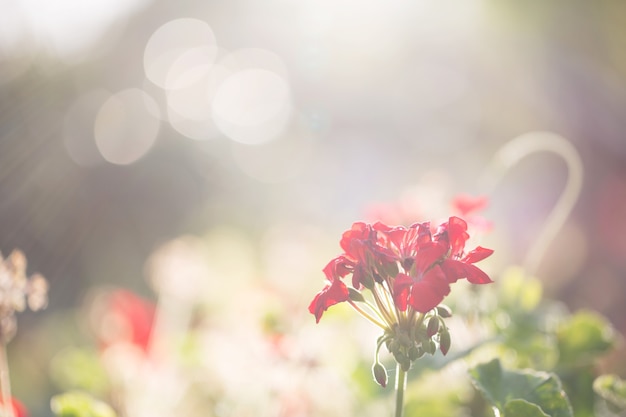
611,392
542,389
79,404
79,368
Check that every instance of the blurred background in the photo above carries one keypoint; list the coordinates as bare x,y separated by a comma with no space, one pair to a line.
127,124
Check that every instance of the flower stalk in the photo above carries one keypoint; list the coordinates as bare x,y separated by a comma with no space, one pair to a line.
401,377
401,274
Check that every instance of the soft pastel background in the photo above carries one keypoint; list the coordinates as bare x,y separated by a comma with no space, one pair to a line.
263,129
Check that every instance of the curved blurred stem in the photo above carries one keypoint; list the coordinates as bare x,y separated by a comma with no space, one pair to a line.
511,154
5,383
400,386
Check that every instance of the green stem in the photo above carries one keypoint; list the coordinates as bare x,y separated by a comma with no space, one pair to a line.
400,385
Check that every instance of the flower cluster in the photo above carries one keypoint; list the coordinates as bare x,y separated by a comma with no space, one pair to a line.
408,271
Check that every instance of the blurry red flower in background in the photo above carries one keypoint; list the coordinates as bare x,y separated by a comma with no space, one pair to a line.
468,206
19,410
124,317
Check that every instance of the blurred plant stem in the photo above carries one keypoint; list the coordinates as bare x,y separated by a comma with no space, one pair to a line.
511,154
400,385
5,383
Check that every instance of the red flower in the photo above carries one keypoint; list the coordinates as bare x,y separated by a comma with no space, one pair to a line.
412,265
126,318
19,410
404,242
427,285
369,257
466,204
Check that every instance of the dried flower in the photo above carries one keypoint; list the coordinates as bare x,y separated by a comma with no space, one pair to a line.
17,291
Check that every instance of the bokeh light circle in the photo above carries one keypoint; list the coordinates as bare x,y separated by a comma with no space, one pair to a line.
252,106
126,126
172,46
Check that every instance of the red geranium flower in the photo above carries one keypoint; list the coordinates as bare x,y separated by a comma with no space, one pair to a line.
405,273
125,318
411,265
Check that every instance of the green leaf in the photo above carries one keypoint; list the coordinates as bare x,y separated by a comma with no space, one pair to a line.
584,337
499,386
611,389
79,404
522,408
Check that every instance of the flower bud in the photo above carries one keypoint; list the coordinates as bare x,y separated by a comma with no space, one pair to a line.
380,374
393,345
429,346
400,357
433,326
367,281
355,295
415,353
390,268
444,341
444,311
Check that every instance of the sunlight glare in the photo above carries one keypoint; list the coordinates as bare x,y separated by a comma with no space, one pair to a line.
55,24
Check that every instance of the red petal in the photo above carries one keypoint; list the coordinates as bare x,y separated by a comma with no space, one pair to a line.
457,234
338,268
359,231
333,293
401,286
476,255
428,255
476,275
430,291
455,270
